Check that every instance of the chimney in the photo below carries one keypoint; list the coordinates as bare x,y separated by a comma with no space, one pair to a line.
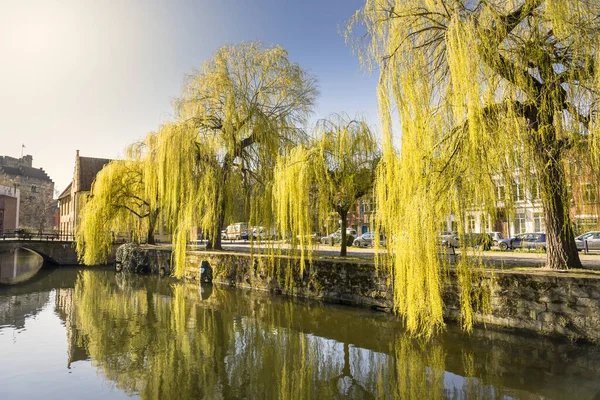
76,173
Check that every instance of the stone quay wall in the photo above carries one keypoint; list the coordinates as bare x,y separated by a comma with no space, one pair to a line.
337,281
548,303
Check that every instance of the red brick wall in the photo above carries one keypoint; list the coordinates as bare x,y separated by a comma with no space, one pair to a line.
9,206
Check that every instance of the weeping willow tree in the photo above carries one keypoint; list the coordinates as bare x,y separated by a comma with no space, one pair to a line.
487,92
234,117
331,173
121,201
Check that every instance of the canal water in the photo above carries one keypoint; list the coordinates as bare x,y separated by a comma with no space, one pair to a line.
72,333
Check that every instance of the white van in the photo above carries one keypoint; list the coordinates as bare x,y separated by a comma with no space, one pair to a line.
237,231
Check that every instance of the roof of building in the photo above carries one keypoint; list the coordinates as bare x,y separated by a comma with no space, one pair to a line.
88,169
66,192
30,172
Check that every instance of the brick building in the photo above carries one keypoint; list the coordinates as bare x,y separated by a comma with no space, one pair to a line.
361,217
9,208
37,207
528,213
73,198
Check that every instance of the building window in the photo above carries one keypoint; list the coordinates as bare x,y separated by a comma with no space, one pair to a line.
500,190
454,226
589,193
367,206
535,191
484,223
538,222
520,223
33,189
517,192
471,223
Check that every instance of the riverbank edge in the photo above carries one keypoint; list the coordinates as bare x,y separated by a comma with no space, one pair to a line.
560,305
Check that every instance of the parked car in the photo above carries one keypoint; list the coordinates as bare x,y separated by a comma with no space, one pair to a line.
312,238
445,236
262,233
258,232
475,240
224,234
496,237
336,237
524,241
592,238
366,240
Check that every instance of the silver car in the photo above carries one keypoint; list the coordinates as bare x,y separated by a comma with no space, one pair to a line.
366,240
496,237
592,238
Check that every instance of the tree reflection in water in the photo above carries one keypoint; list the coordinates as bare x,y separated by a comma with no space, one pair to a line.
161,339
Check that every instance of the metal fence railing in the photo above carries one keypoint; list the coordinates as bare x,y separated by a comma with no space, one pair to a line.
20,234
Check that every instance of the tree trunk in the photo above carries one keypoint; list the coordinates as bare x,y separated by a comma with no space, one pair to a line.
343,215
561,251
152,218
214,242
150,236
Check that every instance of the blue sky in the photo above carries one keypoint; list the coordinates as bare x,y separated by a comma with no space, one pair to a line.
98,75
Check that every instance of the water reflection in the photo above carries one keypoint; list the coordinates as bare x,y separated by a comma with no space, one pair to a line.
161,340
19,265
155,338
14,310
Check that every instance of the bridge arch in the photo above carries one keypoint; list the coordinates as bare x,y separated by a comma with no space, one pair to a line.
55,252
46,257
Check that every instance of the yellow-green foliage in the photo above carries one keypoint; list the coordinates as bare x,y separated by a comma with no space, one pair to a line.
487,93
234,117
116,205
123,200
328,174
294,175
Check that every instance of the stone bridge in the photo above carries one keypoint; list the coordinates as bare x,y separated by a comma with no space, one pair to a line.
55,251
60,252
